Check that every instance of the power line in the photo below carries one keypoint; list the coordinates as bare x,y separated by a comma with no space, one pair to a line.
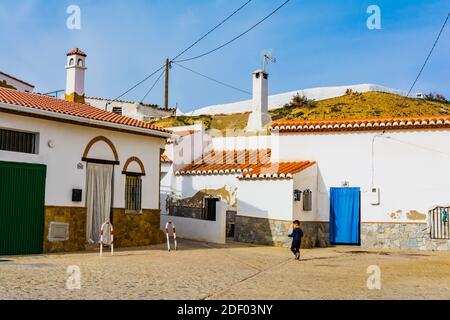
429,55
154,84
140,82
212,79
213,29
238,36
188,48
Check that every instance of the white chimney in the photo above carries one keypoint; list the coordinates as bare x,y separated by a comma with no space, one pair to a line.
75,69
259,117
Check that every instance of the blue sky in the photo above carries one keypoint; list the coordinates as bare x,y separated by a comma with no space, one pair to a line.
317,43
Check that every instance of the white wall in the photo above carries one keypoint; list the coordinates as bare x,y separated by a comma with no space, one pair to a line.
271,199
242,142
307,179
16,84
190,185
201,230
70,142
411,168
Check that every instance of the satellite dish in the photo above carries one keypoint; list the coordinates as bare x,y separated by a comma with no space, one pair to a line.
267,57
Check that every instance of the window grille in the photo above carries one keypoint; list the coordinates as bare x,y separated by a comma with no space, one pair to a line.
117,110
17,141
439,223
133,193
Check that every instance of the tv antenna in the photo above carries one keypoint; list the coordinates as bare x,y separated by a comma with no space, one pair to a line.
267,57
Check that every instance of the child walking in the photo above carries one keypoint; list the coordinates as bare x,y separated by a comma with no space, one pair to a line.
296,236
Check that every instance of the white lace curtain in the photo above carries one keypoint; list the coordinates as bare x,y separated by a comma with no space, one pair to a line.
98,200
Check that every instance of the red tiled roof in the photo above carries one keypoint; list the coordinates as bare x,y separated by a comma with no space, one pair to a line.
226,162
14,78
394,123
251,164
276,170
59,106
76,51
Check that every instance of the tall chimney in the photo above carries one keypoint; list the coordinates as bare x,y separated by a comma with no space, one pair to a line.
75,69
259,116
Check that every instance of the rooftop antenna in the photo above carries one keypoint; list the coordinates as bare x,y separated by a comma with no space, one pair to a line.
267,57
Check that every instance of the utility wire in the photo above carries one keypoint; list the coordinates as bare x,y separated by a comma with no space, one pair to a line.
212,79
140,82
154,84
238,36
429,55
188,48
213,29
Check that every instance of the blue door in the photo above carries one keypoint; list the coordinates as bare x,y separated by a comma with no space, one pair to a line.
344,215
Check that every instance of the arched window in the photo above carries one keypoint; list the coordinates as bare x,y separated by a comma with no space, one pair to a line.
80,62
71,62
133,186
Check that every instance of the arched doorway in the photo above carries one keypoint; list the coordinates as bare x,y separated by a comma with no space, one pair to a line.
100,156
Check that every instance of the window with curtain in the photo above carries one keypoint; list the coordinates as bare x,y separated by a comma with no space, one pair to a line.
133,193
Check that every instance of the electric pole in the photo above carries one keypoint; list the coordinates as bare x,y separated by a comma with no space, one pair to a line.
166,87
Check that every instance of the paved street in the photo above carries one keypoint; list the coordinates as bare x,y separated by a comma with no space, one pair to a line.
234,271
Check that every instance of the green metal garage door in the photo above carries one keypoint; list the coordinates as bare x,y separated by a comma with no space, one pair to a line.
22,200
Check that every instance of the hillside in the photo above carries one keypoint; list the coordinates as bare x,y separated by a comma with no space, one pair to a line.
348,106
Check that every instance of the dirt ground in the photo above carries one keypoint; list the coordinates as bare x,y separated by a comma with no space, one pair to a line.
232,271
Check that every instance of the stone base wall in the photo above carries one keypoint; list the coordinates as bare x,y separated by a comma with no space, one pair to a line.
275,232
134,230
408,236
130,229
76,218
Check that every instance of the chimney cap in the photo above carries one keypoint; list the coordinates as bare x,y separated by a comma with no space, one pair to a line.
259,71
76,51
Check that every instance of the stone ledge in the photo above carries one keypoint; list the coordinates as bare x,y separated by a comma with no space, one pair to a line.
405,236
275,232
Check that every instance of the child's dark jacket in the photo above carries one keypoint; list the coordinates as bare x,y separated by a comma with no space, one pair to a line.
296,234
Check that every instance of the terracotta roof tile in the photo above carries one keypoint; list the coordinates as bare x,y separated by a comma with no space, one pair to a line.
76,51
394,123
250,164
227,162
59,106
276,170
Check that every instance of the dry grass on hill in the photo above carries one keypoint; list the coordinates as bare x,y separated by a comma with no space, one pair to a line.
349,106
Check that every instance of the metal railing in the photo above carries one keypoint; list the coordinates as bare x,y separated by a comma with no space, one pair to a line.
439,223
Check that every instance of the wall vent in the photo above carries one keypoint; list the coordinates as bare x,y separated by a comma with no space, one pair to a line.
58,231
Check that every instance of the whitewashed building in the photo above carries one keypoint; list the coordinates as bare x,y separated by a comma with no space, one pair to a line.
8,81
67,167
375,183
136,110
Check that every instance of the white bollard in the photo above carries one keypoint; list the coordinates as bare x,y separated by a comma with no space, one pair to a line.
111,233
174,235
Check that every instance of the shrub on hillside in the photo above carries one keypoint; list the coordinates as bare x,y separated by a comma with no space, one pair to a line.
432,96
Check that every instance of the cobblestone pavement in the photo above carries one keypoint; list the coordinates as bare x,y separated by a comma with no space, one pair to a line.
232,271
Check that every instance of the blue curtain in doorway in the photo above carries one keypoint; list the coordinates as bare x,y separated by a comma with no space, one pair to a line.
344,215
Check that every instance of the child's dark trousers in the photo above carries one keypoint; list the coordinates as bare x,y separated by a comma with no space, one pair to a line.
295,247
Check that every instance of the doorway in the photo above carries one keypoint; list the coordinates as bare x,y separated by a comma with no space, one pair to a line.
345,215
98,200
22,208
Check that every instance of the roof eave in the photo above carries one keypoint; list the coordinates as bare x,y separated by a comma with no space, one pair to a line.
62,116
